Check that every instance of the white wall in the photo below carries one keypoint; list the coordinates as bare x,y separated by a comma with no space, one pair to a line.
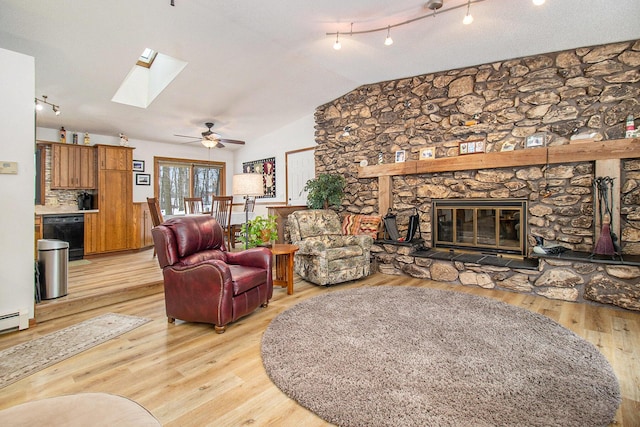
17,75
297,135
146,150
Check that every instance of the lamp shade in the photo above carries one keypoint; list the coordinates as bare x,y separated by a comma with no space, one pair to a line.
248,184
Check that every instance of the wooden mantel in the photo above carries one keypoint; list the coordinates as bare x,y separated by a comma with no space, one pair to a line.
577,152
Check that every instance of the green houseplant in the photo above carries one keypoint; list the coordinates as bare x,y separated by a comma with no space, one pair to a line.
259,231
325,190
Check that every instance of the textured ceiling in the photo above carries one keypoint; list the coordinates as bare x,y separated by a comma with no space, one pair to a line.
255,66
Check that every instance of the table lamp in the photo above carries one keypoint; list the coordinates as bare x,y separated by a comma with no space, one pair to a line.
247,185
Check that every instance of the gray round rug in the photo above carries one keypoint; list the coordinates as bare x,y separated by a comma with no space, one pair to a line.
406,356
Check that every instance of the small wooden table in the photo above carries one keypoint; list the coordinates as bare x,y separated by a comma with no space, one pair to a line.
284,265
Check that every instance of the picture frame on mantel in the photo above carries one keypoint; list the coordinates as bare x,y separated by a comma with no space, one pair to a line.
471,147
428,153
538,139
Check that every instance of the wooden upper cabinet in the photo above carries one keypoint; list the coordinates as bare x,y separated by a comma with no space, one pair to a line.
73,167
115,158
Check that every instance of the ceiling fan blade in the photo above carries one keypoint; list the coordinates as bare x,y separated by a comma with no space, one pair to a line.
231,141
187,136
219,145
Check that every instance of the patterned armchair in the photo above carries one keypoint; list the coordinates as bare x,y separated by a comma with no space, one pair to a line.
326,256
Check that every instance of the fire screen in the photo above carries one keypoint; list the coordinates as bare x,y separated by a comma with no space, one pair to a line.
493,226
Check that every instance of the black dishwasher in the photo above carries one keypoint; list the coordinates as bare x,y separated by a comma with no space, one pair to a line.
68,228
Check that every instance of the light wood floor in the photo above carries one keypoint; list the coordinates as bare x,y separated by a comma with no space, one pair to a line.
187,375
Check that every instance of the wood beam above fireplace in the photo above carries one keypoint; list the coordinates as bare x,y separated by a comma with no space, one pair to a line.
579,152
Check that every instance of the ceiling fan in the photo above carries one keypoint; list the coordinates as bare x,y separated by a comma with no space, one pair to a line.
210,139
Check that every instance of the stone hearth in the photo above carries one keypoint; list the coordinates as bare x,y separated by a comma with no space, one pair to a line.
589,89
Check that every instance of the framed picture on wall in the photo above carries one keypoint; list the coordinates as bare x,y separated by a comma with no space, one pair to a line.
400,156
138,165
266,167
143,179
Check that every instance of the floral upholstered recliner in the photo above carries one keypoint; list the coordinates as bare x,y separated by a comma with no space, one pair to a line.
326,256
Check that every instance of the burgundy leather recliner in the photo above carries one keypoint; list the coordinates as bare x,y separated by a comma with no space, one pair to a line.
202,281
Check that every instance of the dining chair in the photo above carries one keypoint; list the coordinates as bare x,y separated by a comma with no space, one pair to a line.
156,215
221,211
193,205
236,229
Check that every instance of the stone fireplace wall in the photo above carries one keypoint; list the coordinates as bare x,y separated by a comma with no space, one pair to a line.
583,90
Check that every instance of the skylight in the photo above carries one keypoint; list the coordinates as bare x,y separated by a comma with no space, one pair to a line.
147,57
144,83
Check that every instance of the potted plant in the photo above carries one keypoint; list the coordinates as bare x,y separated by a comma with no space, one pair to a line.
325,190
259,231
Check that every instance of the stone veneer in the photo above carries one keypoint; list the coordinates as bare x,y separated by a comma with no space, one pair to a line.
590,89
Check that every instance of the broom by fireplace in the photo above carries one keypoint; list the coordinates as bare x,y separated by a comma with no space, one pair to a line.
606,242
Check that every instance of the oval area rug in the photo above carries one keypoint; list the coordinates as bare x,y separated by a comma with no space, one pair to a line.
407,356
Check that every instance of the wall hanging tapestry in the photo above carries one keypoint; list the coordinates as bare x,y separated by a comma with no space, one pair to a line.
267,167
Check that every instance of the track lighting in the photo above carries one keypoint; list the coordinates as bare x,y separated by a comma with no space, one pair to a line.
39,102
431,5
388,41
468,19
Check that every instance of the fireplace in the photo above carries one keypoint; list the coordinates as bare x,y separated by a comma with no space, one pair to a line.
492,226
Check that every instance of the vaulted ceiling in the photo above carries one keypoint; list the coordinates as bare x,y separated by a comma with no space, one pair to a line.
255,65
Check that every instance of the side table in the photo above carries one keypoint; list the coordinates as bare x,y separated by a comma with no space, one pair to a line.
284,265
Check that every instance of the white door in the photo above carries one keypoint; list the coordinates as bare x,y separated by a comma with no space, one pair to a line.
301,167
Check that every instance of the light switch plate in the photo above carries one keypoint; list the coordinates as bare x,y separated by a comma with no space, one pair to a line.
9,167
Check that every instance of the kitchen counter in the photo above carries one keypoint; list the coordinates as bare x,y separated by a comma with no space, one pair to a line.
61,210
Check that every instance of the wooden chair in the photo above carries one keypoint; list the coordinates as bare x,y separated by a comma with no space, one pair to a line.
221,211
249,205
193,205
156,215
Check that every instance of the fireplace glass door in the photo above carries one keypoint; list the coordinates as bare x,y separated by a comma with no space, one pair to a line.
486,226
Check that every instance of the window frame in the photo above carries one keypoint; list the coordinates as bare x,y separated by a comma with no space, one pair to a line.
157,161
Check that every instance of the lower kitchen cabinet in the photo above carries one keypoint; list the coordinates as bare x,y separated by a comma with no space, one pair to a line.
142,226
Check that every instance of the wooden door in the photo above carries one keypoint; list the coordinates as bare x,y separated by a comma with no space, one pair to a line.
300,166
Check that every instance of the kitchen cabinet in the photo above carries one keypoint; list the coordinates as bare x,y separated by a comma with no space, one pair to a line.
73,166
142,226
113,229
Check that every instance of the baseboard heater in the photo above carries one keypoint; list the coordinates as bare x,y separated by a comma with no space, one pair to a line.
18,320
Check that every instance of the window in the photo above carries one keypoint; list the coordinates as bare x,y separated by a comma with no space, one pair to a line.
180,178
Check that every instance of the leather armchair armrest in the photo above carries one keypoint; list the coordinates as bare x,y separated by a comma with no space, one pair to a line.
254,257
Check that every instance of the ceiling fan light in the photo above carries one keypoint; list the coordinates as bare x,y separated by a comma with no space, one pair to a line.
209,143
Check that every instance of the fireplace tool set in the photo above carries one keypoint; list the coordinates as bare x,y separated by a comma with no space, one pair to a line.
606,244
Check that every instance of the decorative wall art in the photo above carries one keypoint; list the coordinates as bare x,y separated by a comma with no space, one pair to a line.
428,153
472,147
400,156
536,140
143,179
267,167
138,165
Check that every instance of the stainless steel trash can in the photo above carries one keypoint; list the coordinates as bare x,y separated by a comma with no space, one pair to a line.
53,261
